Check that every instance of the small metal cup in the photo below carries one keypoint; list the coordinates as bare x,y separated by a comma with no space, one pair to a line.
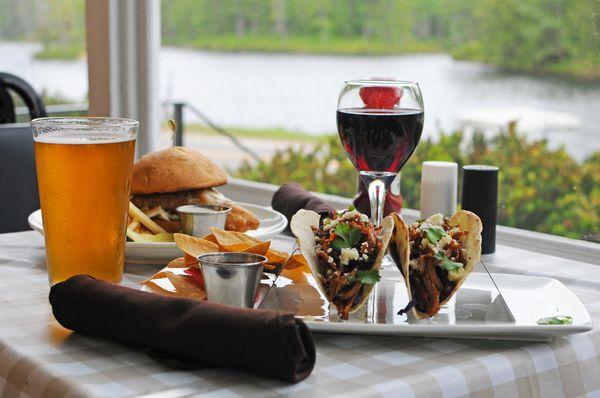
196,220
232,277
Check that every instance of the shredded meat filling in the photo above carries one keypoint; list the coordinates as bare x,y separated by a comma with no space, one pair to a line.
338,279
429,282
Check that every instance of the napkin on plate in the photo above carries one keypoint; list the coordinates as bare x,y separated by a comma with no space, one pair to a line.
270,343
291,197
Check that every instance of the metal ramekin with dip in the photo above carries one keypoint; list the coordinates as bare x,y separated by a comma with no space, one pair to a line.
196,220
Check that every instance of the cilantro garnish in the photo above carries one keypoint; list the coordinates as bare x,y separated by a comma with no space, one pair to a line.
556,320
346,236
434,234
446,263
351,208
367,277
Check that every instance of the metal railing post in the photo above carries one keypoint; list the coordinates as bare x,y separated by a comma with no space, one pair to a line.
178,116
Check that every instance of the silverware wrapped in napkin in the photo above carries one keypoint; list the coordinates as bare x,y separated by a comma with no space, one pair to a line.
270,343
291,197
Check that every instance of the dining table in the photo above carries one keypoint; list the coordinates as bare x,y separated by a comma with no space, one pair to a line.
40,358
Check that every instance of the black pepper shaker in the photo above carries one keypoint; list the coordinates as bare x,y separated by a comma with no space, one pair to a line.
480,195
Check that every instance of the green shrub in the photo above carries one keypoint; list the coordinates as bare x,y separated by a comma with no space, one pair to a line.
540,189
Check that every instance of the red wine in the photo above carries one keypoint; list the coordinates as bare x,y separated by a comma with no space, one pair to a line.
379,140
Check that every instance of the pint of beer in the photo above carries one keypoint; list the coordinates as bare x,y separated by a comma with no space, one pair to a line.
84,168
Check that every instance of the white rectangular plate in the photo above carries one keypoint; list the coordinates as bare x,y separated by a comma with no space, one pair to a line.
476,312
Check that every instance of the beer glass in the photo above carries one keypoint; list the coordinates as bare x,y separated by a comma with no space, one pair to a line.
84,168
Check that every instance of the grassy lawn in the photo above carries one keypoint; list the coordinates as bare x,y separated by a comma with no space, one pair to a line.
307,45
258,133
60,52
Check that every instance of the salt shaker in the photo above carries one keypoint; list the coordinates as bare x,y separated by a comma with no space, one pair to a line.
480,195
438,188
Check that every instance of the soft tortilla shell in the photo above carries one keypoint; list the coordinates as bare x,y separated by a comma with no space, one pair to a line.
465,221
301,226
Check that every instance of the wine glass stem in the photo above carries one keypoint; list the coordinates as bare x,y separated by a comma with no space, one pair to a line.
377,199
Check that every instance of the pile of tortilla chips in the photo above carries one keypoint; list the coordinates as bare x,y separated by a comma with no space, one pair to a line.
182,276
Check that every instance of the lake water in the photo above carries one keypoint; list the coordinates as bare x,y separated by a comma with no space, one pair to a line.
299,92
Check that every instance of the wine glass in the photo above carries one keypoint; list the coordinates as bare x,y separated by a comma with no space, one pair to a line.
379,123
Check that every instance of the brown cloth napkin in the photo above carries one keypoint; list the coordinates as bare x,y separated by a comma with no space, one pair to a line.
292,196
270,343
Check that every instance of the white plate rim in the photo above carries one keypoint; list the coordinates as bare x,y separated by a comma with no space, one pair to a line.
34,220
466,331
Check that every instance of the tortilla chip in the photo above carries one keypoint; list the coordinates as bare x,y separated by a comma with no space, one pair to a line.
296,261
261,248
194,246
190,261
226,238
301,225
186,286
179,262
211,238
276,257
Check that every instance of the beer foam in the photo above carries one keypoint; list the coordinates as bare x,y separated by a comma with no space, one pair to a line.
82,137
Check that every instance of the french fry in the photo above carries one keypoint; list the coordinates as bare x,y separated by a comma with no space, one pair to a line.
139,215
158,211
147,238
133,224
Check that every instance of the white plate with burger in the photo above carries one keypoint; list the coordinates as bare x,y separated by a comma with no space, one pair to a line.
167,179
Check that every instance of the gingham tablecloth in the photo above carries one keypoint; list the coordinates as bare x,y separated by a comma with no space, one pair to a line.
39,358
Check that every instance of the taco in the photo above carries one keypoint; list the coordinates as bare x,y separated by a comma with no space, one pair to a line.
344,251
435,256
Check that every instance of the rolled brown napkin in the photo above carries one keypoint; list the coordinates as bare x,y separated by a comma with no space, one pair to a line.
270,343
291,197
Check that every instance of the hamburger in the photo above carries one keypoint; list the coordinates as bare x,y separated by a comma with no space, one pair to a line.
173,177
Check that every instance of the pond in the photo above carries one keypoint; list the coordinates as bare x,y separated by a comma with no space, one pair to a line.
299,92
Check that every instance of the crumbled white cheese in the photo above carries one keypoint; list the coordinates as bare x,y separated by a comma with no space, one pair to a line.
348,254
364,218
425,243
456,274
349,215
444,241
436,219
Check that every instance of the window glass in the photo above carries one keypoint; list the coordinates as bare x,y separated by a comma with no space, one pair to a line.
43,42
509,83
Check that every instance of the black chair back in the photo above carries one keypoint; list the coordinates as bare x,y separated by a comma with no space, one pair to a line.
18,179
20,87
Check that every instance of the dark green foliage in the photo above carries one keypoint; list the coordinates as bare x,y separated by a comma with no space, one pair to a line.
541,189
538,36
